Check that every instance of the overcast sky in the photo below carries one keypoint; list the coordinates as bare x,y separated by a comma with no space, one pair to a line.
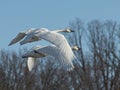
16,16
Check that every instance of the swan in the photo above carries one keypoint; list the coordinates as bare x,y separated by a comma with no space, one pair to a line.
65,51
33,51
31,37
42,51
30,32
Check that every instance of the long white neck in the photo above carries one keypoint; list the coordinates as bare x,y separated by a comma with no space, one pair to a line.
61,30
31,63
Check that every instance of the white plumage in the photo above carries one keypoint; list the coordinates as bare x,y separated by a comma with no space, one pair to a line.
65,53
42,51
30,33
61,49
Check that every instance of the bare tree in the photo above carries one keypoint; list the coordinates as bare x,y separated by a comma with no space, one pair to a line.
99,67
103,45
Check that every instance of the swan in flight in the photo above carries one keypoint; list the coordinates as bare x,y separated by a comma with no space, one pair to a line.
31,32
42,51
65,51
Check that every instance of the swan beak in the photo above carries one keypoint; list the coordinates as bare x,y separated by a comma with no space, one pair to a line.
79,48
9,44
72,30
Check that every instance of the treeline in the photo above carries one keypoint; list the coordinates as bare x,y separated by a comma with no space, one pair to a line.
99,57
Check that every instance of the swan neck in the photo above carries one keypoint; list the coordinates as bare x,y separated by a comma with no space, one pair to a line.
62,30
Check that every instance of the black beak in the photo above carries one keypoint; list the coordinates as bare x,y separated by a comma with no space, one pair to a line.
79,48
72,30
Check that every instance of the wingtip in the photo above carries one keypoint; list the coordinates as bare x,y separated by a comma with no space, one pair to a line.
9,44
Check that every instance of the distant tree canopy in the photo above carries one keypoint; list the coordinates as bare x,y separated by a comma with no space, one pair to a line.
99,57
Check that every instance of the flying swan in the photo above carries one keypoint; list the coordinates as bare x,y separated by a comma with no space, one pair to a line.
41,51
31,32
65,51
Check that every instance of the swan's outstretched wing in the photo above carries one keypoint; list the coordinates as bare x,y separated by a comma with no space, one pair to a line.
59,56
20,36
31,62
31,53
60,41
31,37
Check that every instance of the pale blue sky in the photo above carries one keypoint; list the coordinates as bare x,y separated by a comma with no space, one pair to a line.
16,16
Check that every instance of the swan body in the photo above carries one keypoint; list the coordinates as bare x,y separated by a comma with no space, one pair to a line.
31,32
52,50
65,51
32,36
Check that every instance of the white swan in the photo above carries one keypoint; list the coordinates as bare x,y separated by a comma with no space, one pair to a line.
65,51
30,32
42,51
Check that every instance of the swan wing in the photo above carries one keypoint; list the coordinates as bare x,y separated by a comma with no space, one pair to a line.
20,36
48,50
31,37
60,41
31,53
59,56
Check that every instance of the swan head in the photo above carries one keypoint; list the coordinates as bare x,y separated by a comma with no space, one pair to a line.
76,48
68,30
